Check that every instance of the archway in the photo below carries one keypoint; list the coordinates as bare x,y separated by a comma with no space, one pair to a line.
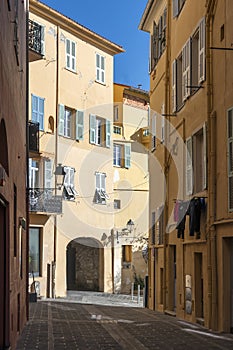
85,265
3,147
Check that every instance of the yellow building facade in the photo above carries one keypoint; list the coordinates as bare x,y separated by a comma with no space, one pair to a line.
71,103
190,255
131,187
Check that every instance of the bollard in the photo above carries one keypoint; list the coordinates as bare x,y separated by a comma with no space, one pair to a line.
138,293
132,289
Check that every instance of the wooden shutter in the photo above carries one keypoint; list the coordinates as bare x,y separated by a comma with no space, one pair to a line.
92,131
127,155
201,51
73,56
174,79
108,133
186,70
230,158
79,125
175,7
61,119
153,228
189,166
204,156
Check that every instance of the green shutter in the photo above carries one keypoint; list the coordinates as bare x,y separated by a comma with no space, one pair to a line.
127,155
79,125
108,133
92,131
61,112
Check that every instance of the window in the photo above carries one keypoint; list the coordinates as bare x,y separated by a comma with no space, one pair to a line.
188,70
158,40
34,251
38,110
100,69
230,158
100,193
117,130
100,131
196,171
48,174
71,122
177,6
70,55
117,204
157,226
116,116
69,191
33,173
122,155
153,228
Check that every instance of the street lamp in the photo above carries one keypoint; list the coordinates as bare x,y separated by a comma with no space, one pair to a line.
130,225
59,174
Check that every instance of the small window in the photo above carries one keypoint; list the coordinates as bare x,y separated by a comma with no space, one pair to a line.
117,204
177,7
33,173
100,194
117,130
222,33
116,116
38,110
71,55
35,251
66,121
100,69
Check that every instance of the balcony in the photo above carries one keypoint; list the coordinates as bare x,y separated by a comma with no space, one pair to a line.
44,200
33,136
35,43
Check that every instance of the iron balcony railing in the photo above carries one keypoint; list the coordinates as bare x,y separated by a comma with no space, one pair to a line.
44,200
35,37
33,135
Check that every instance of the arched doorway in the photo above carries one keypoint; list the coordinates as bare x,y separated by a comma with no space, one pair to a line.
85,265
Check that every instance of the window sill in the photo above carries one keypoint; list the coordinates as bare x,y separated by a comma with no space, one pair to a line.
100,82
71,70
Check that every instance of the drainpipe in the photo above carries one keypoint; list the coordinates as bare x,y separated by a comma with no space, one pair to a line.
55,164
211,230
27,166
166,154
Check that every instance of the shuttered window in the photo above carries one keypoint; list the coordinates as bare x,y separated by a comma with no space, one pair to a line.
38,110
186,70
71,55
100,68
174,86
201,63
189,166
153,132
79,125
99,131
48,175
153,228
230,158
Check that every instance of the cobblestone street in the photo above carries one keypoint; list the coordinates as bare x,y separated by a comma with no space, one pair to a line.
68,325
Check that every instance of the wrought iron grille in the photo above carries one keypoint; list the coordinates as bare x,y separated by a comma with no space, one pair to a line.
44,200
34,37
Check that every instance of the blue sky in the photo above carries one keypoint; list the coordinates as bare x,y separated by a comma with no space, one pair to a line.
117,21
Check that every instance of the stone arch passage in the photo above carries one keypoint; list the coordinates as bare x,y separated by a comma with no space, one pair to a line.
85,265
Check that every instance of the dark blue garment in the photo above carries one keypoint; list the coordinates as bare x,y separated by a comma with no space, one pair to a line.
194,216
183,207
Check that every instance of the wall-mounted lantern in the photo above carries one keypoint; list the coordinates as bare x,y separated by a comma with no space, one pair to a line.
59,174
130,225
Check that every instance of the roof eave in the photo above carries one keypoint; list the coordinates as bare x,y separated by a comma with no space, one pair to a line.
75,28
145,15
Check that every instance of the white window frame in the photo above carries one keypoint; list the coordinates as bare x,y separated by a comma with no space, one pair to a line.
201,52
33,173
48,174
71,55
186,70
117,154
67,123
100,68
99,126
174,79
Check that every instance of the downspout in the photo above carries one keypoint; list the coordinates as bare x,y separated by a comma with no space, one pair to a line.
55,165
27,163
166,155
211,230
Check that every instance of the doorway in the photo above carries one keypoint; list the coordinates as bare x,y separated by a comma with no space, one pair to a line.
4,277
199,304
85,265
